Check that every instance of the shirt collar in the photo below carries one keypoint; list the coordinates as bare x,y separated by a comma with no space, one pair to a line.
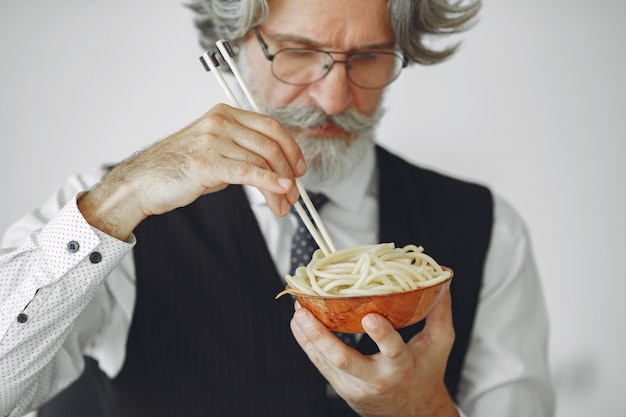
348,193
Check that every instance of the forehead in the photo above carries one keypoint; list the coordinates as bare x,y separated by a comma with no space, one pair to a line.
334,24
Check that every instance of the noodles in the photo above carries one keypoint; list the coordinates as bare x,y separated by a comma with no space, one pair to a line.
366,270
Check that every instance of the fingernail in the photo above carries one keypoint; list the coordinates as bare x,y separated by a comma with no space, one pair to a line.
369,322
285,207
303,319
285,183
294,195
301,167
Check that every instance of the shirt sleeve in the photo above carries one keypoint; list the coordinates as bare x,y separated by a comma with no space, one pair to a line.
53,307
506,371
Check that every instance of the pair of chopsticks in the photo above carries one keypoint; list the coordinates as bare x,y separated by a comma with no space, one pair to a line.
211,63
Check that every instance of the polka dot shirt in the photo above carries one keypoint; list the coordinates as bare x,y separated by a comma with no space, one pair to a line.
46,282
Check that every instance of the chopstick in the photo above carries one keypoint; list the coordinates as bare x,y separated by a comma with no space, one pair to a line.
317,229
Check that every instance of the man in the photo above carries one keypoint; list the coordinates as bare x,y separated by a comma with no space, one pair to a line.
187,325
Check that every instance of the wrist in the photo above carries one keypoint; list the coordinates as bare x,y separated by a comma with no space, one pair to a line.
110,209
440,404
443,405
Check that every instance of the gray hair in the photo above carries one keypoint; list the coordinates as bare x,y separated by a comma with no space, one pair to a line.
417,24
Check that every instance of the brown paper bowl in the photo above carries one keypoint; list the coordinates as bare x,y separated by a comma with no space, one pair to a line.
402,309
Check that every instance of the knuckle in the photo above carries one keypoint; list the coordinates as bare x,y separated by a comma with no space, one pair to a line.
259,162
316,360
242,170
272,149
215,119
221,108
341,361
272,125
265,177
394,353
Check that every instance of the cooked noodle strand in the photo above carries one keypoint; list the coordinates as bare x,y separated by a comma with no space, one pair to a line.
367,270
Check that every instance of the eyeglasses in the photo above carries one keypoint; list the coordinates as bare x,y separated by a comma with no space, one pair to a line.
301,66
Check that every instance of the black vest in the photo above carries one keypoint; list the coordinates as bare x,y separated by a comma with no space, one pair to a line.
209,339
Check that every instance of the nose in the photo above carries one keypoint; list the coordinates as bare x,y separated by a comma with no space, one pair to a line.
333,93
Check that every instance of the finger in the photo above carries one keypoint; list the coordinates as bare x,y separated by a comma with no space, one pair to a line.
389,341
266,149
260,134
273,186
280,203
439,327
240,141
246,144
272,129
324,349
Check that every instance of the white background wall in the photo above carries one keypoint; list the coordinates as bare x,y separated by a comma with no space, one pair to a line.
533,105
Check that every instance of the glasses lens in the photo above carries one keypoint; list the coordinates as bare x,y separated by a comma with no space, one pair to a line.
374,69
367,69
301,66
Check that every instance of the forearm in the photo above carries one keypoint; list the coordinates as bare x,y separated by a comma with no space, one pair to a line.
44,287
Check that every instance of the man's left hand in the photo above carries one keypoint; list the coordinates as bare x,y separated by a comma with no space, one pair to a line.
403,379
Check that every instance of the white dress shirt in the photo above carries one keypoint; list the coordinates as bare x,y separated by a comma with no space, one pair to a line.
56,304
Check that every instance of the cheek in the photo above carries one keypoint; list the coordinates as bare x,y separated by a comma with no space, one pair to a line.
367,101
267,90
275,94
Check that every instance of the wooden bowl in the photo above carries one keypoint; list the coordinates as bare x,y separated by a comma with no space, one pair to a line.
402,309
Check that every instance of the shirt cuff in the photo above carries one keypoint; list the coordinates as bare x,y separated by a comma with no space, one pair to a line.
68,239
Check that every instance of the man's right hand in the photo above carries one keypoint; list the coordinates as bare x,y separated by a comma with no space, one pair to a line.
225,146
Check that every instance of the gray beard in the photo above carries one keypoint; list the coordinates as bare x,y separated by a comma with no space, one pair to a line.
329,160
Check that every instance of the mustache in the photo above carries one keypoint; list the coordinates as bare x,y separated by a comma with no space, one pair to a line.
350,120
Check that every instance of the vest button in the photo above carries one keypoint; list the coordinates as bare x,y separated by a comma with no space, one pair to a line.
22,318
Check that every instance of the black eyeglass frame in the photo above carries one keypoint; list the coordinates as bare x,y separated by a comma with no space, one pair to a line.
270,57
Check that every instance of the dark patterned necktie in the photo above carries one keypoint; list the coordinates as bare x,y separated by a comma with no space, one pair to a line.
303,245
